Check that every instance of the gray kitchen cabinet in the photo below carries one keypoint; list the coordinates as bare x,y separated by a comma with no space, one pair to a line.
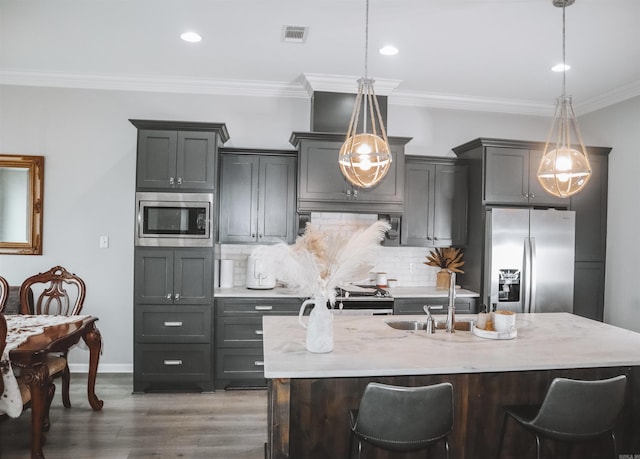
322,187
173,328
257,196
435,203
511,177
177,156
173,276
239,354
588,289
438,305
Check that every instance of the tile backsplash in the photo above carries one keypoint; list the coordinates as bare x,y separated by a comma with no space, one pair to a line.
406,264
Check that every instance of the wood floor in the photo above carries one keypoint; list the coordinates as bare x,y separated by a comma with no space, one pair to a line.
224,425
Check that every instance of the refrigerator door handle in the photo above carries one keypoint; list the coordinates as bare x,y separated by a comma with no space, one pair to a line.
532,277
526,277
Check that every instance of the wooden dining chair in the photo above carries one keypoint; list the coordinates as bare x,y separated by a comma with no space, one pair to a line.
54,292
4,294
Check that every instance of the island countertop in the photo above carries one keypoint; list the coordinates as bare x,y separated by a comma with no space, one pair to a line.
367,346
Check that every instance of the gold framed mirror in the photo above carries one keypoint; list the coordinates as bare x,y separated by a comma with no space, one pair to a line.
21,204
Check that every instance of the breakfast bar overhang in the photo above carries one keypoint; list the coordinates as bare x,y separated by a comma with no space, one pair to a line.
310,394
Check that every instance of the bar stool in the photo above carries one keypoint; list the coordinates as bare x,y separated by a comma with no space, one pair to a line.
398,418
572,411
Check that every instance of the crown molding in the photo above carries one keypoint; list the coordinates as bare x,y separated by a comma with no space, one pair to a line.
303,88
148,83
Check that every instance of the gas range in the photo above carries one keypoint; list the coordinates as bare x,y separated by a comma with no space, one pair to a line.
363,300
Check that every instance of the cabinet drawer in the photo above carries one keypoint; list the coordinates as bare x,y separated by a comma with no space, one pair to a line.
232,364
438,305
176,362
173,324
283,306
239,331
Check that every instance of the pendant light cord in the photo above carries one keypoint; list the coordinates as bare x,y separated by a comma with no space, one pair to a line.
366,41
564,60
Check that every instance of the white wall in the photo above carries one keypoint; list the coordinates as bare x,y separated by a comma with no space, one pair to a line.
618,126
90,149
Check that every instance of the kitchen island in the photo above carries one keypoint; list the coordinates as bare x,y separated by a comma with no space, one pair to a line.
311,394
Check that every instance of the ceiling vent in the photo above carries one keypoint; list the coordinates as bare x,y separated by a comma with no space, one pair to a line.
294,34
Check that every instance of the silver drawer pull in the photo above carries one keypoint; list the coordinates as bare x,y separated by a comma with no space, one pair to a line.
173,324
173,362
258,363
436,306
262,307
258,332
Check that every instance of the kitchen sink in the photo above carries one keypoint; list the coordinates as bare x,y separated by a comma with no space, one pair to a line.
461,325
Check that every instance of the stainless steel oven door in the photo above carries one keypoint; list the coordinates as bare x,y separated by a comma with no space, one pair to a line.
362,312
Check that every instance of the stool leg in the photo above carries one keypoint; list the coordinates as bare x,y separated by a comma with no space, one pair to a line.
615,447
504,426
446,446
538,446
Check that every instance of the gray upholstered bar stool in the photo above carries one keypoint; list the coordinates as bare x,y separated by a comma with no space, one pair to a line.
398,418
572,411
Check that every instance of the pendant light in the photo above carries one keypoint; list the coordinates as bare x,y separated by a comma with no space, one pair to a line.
365,158
564,169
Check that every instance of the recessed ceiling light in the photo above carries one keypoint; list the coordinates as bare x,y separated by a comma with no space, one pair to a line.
388,50
560,67
191,37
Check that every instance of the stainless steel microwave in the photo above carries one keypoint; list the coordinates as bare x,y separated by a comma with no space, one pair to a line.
174,219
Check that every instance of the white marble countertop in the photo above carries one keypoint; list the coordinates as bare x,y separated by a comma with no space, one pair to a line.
396,292
366,346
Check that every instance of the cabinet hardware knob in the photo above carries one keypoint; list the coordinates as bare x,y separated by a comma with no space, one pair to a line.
348,193
169,296
258,363
263,307
173,324
253,234
177,297
172,181
355,194
173,362
258,332
259,236
532,195
179,180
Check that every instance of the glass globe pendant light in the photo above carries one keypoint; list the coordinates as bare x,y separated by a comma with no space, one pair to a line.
564,169
365,158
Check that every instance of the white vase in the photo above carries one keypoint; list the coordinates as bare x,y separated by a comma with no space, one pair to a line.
320,326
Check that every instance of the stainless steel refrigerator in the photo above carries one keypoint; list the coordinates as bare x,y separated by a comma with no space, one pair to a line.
529,257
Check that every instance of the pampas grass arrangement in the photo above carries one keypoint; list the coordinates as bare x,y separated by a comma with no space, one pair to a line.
320,261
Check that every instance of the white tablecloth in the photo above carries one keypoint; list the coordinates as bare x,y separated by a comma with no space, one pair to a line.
19,328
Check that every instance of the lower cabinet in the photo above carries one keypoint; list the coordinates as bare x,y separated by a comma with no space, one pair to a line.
173,348
238,338
437,305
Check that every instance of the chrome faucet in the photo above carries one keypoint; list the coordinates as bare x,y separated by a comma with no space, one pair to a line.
451,310
431,325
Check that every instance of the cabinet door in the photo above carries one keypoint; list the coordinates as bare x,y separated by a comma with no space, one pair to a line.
193,277
391,188
320,176
416,229
156,159
591,213
238,198
506,175
154,276
537,194
195,164
449,205
276,199
588,290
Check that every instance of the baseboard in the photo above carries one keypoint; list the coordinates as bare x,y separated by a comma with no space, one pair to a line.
102,368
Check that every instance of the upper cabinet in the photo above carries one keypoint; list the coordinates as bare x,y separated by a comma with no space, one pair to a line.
435,203
257,196
322,187
178,156
511,176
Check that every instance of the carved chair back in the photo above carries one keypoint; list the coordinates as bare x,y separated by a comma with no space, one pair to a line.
4,293
56,292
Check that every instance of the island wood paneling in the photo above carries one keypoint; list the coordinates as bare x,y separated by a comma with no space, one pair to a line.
316,413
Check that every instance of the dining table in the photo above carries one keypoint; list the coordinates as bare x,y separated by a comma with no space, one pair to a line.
34,338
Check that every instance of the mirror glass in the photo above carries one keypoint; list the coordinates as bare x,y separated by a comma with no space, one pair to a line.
21,195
